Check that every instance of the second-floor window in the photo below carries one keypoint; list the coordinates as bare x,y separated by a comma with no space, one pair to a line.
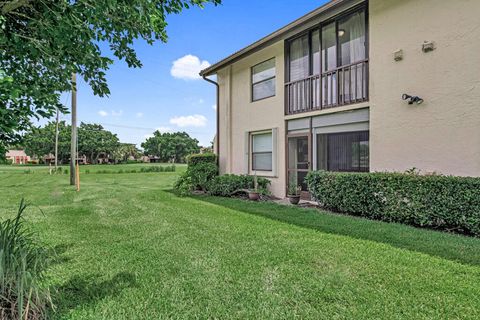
263,80
327,66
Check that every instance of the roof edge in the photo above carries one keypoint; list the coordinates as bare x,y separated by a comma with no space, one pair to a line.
259,44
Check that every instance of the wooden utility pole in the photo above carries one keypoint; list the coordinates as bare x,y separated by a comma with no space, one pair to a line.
56,142
73,146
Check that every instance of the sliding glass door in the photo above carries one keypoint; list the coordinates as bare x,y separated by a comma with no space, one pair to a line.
343,152
328,65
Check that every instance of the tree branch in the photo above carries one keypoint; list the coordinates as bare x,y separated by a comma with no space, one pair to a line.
13,5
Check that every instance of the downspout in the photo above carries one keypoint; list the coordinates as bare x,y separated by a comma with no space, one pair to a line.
218,116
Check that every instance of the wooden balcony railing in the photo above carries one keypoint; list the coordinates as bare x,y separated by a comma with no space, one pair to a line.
342,86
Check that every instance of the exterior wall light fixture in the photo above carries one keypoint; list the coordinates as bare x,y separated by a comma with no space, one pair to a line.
412,99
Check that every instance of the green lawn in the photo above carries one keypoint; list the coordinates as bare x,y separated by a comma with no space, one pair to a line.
130,249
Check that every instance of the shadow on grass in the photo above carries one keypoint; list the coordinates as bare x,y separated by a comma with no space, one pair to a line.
57,253
81,291
449,246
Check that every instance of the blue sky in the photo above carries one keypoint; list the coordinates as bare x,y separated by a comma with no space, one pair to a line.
157,97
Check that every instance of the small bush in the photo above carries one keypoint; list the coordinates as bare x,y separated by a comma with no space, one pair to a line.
6,161
201,173
32,162
201,169
226,185
195,159
87,171
132,161
440,202
23,262
183,186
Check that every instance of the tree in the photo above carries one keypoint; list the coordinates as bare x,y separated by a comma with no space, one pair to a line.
125,151
40,141
170,146
43,42
94,140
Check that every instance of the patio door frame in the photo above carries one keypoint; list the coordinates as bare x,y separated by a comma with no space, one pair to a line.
305,195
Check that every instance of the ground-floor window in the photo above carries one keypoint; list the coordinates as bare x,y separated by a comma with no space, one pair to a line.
345,151
262,151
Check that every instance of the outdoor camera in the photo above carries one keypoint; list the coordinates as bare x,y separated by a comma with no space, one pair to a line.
412,99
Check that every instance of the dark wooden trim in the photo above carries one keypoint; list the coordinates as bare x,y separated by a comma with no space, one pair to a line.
305,195
253,83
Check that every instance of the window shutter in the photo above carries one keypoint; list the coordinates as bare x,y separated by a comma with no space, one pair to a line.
246,148
274,151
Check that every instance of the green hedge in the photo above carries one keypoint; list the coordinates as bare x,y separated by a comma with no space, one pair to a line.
226,185
201,169
6,161
440,202
195,159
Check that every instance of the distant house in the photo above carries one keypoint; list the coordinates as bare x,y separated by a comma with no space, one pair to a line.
341,89
49,159
145,159
17,156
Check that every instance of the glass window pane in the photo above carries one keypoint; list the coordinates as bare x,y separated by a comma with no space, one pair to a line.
316,52
262,142
351,38
297,178
298,153
329,47
299,59
264,89
264,70
347,151
322,152
262,161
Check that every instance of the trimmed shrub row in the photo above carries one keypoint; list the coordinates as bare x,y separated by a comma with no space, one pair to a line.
142,170
202,174
195,159
226,185
439,202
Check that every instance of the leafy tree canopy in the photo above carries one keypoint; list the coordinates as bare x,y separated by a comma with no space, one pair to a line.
43,42
170,146
93,141
40,141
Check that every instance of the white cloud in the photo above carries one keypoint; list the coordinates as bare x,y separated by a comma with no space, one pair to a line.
139,115
195,120
188,67
148,136
214,107
164,129
113,113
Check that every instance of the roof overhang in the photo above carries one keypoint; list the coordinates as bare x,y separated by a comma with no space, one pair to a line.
271,38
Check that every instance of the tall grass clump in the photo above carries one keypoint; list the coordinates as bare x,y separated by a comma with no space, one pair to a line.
23,262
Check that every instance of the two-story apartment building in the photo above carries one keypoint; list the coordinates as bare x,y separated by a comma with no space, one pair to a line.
331,91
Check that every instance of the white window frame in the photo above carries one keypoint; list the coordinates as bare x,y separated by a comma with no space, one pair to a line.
264,173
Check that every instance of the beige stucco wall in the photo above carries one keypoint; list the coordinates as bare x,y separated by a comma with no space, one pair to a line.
442,134
239,115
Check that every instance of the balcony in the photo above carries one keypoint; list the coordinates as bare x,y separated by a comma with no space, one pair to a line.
338,87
